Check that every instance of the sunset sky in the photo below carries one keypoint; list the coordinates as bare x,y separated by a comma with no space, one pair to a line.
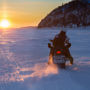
21,13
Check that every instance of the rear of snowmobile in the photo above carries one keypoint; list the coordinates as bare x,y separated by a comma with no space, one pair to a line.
58,56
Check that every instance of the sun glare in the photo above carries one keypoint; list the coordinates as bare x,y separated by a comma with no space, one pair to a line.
4,23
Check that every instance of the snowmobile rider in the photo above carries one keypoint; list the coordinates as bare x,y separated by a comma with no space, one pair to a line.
62,41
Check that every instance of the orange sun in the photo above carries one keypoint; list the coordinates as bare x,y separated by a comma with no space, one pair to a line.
4,23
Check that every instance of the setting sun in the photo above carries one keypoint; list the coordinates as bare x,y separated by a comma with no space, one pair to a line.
4,23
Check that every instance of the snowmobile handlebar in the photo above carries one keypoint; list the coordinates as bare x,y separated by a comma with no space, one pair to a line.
51,40
49,45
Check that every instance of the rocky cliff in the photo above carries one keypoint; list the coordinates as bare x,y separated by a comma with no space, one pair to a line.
74,13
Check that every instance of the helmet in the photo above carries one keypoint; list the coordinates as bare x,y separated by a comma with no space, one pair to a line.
63,33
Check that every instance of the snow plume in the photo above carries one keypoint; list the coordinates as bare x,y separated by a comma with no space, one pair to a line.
50,60
39,70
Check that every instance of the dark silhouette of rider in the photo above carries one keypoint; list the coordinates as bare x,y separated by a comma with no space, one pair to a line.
62,41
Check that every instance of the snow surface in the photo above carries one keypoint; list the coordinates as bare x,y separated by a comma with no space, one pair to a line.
24,55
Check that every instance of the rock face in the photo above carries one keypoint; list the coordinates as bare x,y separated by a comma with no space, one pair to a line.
74,13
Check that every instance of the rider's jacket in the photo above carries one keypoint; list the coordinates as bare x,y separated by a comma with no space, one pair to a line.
61,41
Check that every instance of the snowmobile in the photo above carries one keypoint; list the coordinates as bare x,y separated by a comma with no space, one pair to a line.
57,56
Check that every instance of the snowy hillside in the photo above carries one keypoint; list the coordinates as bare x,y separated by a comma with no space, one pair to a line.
73,14
24,55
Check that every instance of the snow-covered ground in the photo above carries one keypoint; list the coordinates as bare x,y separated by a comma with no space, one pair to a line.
24,55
